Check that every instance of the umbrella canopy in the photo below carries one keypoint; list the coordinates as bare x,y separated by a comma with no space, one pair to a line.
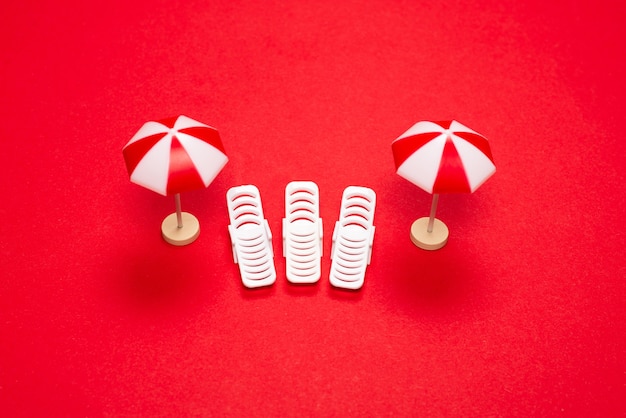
443,157
174,155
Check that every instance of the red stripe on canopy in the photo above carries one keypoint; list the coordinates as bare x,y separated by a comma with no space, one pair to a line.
135,152
444,124
206,134
169,122
183,175
405,147
451,176
478,141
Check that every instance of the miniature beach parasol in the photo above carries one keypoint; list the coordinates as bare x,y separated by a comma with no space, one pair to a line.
172,156
441,157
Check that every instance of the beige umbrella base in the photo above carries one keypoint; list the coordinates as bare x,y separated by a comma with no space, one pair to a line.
180,236
429,240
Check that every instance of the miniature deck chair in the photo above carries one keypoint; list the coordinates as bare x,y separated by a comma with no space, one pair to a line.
302,232
353,238
250,236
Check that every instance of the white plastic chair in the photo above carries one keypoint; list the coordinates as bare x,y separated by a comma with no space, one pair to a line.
353,238
250,236
302,232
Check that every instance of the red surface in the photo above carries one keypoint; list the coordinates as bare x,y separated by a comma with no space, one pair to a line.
521,314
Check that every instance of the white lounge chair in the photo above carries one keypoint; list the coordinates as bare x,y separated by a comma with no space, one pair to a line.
250,236
353,238
302,232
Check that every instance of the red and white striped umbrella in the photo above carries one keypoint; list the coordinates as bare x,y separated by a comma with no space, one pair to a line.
441,157
174,155
171,156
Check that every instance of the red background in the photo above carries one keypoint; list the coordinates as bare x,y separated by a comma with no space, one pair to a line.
521,314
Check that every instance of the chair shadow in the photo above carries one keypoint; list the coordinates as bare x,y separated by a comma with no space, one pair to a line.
255,293
303,290
346,295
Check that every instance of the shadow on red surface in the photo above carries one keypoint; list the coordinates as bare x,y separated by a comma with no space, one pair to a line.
303,290
437,283
159,280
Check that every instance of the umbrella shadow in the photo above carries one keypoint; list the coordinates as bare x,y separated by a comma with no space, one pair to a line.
161,280
438,283
429,283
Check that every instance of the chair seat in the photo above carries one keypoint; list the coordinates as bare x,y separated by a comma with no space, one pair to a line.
353,237
302,232
250,236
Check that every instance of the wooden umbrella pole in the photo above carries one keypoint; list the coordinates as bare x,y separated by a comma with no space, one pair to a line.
433,210
179,215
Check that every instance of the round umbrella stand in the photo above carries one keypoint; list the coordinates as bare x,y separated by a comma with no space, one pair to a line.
184,235
425,240
430,233
180,228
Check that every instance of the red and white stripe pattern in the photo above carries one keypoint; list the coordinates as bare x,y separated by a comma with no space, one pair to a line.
174,155
443,157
